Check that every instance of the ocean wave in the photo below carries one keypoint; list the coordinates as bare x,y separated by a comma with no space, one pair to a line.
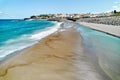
46,32
26,40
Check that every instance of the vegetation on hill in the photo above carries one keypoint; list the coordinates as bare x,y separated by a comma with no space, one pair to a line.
116,13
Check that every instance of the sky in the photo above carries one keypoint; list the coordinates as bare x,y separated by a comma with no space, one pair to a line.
18,9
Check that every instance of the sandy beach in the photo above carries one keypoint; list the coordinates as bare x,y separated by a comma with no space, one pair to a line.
109,29
50,59
60,56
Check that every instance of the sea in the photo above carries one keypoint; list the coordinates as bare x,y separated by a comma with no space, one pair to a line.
16,34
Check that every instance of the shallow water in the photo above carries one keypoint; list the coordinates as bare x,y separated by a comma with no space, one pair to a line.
104,52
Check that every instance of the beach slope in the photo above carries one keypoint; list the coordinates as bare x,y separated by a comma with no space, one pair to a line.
51,59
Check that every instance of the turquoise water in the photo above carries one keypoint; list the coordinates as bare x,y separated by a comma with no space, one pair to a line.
106,48
19,34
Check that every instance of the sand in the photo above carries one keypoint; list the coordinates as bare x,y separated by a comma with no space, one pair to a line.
109,29
50,59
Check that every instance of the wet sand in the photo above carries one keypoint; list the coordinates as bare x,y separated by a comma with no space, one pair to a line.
109,29
51,59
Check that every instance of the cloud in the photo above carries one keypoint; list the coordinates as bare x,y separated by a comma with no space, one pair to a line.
117,2
108,11
116,8
1,12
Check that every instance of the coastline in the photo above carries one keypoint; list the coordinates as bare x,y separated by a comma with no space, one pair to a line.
34,38
59,56
108,29
46,58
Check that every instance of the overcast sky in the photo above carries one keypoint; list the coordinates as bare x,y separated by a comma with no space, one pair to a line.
25,8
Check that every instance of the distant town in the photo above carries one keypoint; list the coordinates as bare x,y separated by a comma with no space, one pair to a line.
73,16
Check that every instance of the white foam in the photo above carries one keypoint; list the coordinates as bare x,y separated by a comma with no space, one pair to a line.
8,49
46,32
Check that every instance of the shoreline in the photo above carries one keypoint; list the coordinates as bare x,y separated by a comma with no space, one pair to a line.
40,35
60,28
44,54
108,29
59,56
